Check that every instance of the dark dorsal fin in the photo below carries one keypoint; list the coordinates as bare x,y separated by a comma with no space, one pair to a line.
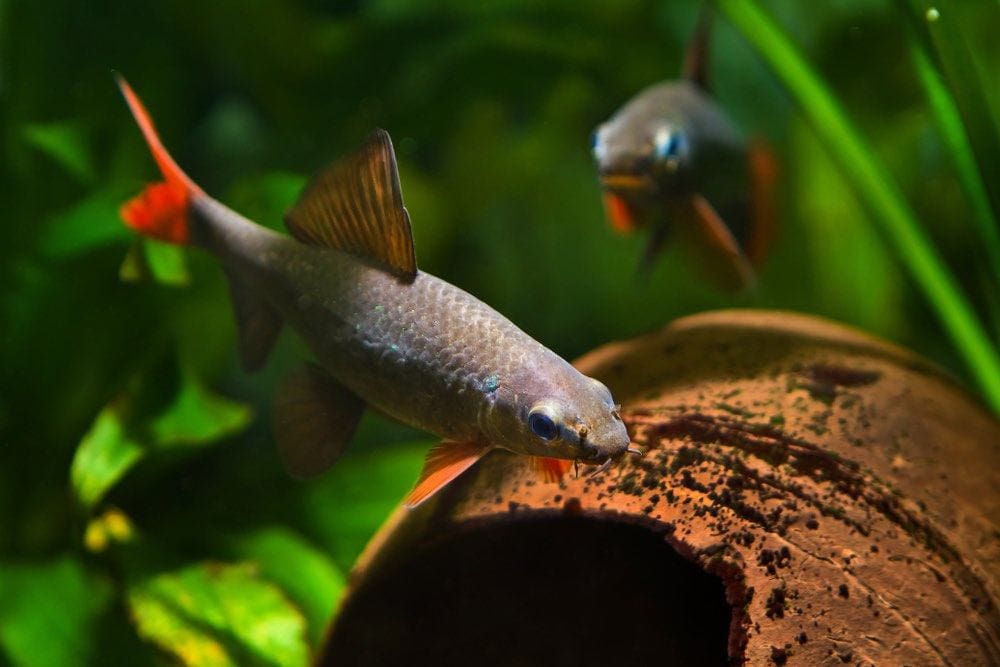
355,205
696,58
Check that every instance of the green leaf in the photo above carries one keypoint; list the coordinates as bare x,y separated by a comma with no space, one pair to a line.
197,417
167,263
877,190
91,223
118,438
348,504
214,614
148,259
65,143
306,574
48,611
105,454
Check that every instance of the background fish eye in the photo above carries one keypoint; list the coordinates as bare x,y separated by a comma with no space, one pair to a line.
668,144
596,145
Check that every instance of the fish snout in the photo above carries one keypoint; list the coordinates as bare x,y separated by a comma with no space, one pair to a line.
610,442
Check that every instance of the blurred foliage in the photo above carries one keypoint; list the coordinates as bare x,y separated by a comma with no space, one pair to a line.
144,515
878,189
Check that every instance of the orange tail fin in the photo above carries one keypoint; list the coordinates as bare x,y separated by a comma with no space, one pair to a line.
161,210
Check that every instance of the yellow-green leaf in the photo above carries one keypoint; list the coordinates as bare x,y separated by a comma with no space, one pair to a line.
306,574
218,615
167,263
106,453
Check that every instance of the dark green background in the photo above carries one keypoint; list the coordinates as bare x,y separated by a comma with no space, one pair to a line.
490,106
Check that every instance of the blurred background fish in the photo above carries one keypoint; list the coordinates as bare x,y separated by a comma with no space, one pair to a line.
672,161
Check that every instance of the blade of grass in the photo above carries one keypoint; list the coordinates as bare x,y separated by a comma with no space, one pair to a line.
938,27
953,131
877,190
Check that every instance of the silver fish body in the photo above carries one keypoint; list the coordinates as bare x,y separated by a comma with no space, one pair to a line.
424,352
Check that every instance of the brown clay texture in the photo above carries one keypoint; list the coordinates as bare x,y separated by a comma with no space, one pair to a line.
844,491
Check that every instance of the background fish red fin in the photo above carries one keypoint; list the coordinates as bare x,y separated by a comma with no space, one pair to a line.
444,462
356,205
620,214
161,210
763,169
722,253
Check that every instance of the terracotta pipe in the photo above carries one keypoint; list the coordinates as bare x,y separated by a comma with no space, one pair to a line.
811,495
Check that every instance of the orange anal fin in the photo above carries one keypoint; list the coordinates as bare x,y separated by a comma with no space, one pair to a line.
763,169
715,237
619,213
160,211
550,469
444,463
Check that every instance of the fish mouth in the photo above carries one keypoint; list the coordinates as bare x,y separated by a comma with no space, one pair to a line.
624,182
614,458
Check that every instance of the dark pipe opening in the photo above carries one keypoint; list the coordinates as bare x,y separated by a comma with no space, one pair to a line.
567,591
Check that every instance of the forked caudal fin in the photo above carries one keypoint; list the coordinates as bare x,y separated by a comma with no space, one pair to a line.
161,210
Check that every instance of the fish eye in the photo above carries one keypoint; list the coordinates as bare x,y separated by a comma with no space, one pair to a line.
596,145
542,424
668,145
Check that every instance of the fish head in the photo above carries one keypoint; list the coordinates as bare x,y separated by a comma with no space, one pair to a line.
566,415
643,159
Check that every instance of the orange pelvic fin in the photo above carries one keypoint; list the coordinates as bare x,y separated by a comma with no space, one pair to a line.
722,253
620,214
161,210
444,463
550,470
763,168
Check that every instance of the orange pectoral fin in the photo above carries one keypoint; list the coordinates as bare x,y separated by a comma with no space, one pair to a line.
715,236
444,462
763,168
619,213
550,470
